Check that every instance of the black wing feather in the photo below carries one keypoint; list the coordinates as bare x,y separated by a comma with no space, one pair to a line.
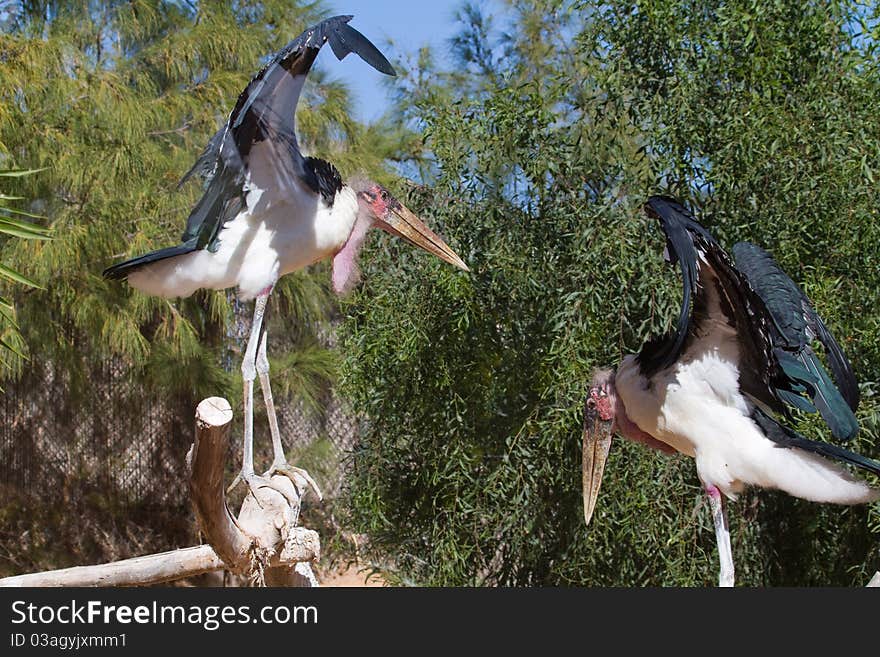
254,118
121,270
344,39
795,325
257,117
786,437
680,228
840,366
707,267
688,242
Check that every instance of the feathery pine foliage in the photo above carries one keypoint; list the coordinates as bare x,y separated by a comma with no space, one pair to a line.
13,225
540,148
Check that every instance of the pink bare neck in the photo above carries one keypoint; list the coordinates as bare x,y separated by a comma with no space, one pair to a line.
345,269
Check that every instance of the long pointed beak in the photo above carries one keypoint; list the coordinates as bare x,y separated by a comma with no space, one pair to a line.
596,444
403,223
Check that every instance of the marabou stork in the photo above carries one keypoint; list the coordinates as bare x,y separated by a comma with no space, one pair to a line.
714,388
268,210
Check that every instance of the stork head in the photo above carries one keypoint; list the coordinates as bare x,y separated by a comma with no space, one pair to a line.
393,217
599,411
377,207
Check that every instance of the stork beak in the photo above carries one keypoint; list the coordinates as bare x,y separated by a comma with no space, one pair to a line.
596,444
401,222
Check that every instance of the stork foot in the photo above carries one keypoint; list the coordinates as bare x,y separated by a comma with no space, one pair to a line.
255,482
300,478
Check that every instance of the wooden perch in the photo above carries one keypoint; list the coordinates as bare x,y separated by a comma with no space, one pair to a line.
263,543
151,569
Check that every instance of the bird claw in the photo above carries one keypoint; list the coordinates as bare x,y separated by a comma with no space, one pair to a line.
255,482
235,482
300,478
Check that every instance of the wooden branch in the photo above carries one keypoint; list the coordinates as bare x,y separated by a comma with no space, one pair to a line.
207,460
263,543
151,569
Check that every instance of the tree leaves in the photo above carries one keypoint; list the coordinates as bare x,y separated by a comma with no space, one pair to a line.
10,338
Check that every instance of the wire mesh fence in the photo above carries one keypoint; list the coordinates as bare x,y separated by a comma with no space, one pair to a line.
116,439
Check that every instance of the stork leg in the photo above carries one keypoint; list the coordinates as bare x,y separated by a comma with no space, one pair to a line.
722,536
248,374
298,476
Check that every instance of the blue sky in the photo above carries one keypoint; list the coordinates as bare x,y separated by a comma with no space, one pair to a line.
397,27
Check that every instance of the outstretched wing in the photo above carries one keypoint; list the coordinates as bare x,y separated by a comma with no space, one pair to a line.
751,302
265,111
686,241
721,297
795,325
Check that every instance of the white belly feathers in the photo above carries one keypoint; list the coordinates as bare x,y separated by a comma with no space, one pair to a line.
696,407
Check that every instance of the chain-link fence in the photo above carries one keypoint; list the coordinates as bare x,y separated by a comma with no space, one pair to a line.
131,448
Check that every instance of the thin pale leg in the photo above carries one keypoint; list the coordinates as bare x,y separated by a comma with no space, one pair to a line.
279,463
248,374
722,536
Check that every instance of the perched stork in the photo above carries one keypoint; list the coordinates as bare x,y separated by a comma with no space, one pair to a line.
268,210
714,388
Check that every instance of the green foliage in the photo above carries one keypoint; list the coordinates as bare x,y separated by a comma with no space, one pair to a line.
10,224
539,150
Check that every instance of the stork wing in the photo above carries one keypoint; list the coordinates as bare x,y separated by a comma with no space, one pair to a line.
682,236
721,296
795,325
726,296
265,110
